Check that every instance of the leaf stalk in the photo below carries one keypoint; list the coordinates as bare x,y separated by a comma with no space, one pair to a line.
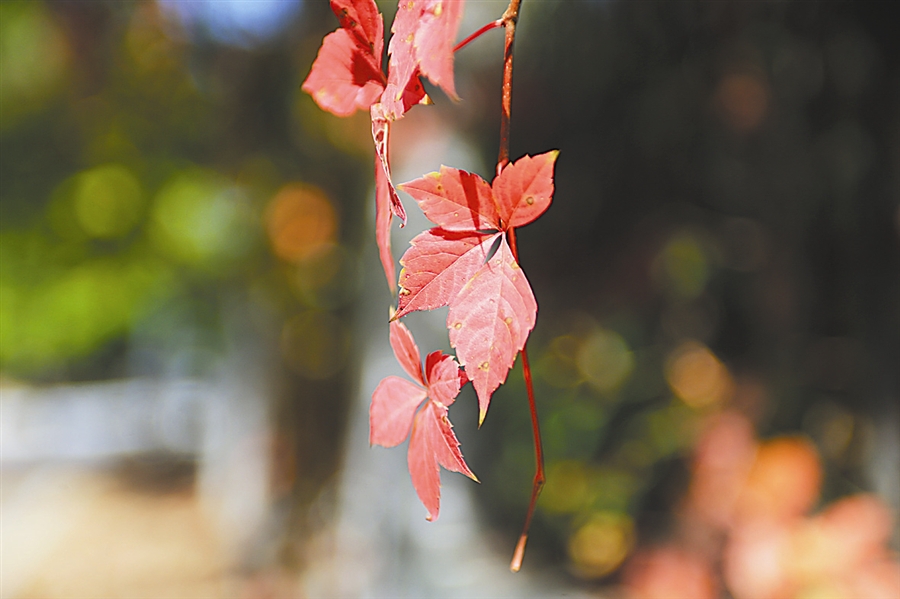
477,34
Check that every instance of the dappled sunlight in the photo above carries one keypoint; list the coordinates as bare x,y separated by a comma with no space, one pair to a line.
301,222
697,377
601,544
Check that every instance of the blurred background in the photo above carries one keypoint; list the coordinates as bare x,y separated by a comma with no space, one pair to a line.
193,317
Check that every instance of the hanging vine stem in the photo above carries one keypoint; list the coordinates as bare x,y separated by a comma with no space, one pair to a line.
509,20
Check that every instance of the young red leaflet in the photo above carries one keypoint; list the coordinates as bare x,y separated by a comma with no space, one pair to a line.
346,75
393,413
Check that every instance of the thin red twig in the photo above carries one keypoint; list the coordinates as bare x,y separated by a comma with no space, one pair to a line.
510,17
479,33
508,21
538,483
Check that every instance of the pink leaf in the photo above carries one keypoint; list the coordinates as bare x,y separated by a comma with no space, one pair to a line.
362,19
443,376
383,225
455,200
393,411
346,75
437,265
435,38
381,130
489,322
524,189
394,403
403,89
402,63
406,351
432,443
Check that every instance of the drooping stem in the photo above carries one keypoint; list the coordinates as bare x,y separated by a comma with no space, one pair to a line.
508,21
538,483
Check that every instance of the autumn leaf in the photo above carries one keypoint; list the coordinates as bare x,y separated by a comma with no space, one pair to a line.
381,131
423,38
437,266
383,225
489,321
346,75
492,307
455,200
524,189
434,41
395,414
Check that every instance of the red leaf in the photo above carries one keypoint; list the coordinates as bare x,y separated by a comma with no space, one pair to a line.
407,352
424,32
403,90
489,322
394,403
492,307
444,378
434,41
402,63
437,265
524,189
346,75
362,19
455,200
381,132
383,225
433,443
393,411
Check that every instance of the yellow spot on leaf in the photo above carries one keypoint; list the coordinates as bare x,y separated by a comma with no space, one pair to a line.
484,366
508,320
457,326
529,200
438,9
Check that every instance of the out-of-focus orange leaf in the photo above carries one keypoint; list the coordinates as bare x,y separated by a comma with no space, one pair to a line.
784,481
668,572
722,460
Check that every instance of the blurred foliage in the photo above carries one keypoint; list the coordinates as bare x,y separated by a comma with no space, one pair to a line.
134,176
172,205
723,237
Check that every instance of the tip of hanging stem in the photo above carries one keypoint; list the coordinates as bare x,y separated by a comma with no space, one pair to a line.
519,554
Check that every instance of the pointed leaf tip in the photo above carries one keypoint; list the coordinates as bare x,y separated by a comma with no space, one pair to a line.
524,190
489,322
